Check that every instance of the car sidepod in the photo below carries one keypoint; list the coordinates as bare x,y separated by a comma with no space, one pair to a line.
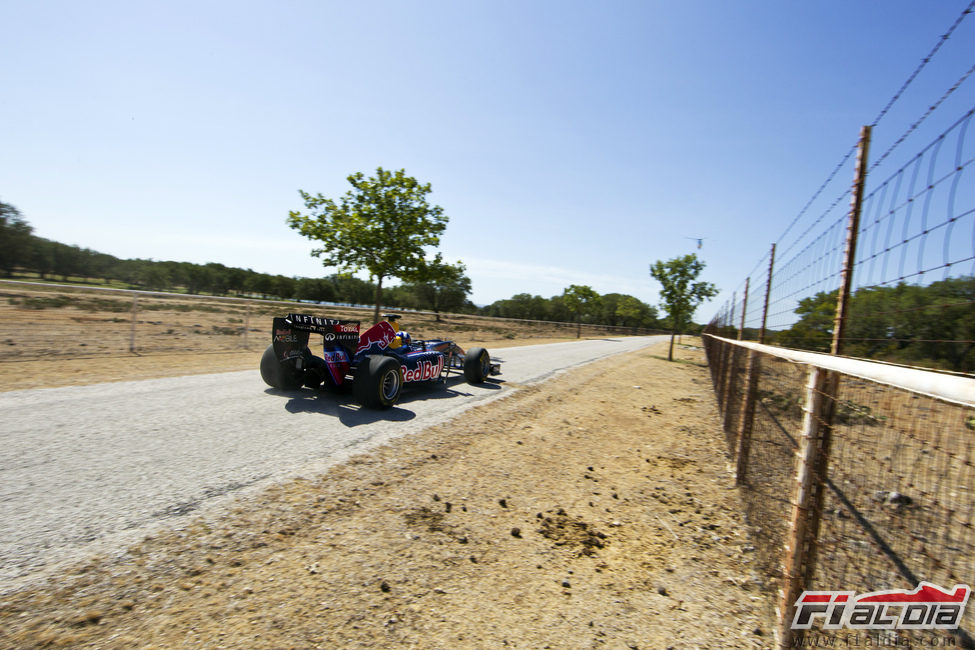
422,365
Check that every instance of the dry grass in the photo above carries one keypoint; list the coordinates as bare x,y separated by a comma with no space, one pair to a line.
58,337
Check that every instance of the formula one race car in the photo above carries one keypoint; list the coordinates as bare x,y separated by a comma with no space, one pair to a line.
376,364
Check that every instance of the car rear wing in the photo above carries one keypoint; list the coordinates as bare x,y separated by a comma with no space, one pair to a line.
290,334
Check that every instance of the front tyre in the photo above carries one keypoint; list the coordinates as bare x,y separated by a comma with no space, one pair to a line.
378,382
477,365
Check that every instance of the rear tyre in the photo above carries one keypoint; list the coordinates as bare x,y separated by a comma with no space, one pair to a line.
276,374
477,365
378,382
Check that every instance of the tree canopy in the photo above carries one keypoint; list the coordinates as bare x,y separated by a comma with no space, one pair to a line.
580,300
932,325
439,286
382,225
15,233
680,291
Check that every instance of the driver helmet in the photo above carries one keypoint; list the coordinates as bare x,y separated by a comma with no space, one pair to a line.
404,337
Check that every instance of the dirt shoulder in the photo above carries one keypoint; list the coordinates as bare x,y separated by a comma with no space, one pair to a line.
595,510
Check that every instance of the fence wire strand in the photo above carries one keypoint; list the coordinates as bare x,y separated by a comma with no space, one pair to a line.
913,277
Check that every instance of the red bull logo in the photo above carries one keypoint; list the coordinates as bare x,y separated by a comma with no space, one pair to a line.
338,365
381,334
425,371
285,336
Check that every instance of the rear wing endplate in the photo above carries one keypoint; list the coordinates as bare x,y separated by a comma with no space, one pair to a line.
289,335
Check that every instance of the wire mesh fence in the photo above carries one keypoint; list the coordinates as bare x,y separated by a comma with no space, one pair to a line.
764,459
851,481
891,496
898,503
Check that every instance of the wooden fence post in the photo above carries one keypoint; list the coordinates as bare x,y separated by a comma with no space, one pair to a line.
135,313
247,322
752,374
735,356
852,231
813,446
744,310
727,365
821,392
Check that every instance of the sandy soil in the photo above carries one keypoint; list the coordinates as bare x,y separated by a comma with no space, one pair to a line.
595,510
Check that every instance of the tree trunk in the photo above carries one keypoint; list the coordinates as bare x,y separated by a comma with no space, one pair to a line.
677,318
379,299
578,326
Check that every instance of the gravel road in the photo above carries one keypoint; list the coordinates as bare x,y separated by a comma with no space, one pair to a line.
86,469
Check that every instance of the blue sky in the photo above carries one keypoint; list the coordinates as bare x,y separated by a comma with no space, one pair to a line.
568,142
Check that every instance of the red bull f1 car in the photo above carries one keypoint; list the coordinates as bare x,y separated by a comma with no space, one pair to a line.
376,364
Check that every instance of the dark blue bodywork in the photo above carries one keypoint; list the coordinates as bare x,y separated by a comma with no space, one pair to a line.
344,349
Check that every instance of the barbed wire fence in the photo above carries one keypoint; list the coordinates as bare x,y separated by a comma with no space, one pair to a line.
855,459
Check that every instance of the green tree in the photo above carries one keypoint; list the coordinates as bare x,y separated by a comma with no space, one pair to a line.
199,278
154,277
634,313
580,300
67,260
381,225
235,280
680,292
314,289
350,289
930,326
608,308
261,284
219,279
42,257
16,240
814,330
439,286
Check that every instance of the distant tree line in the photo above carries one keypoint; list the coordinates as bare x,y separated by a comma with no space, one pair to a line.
616,309
23,253
930,325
